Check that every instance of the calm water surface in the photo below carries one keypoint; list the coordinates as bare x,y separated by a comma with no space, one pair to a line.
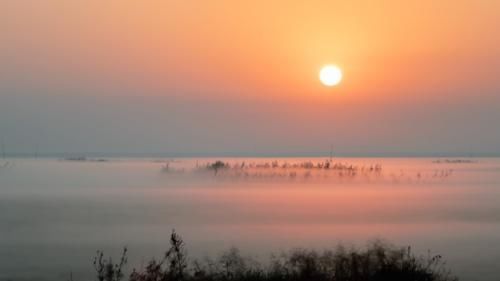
55,214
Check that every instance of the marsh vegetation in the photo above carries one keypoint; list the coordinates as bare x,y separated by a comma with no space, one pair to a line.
306,170
378,261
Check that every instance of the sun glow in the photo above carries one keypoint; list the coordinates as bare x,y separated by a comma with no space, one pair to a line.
330,75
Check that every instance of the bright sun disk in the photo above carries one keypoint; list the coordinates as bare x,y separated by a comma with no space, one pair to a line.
330,75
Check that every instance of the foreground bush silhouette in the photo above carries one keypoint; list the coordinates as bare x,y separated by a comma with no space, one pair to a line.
378,262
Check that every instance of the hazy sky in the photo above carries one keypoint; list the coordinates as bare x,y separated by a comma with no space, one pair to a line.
241,77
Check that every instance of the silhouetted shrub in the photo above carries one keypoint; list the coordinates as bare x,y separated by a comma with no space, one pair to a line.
377,262
172,267
105,268
217,165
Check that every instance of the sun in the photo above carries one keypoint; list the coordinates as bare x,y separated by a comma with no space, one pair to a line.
330,75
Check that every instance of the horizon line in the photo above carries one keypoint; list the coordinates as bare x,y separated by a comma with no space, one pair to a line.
248,155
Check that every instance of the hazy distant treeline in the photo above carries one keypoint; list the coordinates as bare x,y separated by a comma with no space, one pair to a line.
309,170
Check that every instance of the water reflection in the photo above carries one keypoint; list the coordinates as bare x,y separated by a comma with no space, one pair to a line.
55,214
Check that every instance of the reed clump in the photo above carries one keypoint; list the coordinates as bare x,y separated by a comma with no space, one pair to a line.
377,262
309,170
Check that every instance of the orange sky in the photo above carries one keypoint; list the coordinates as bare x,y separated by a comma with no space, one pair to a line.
390,51
262,46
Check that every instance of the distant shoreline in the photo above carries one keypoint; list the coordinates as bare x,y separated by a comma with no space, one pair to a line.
180,155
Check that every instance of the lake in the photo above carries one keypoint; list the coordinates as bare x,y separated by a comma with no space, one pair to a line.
55,214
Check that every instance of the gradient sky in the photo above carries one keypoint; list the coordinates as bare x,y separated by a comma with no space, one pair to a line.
226,77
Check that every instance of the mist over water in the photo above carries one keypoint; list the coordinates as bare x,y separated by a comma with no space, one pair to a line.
54,214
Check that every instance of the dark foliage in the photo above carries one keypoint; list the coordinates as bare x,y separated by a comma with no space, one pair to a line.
218,165
378,262
106,270
173,266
